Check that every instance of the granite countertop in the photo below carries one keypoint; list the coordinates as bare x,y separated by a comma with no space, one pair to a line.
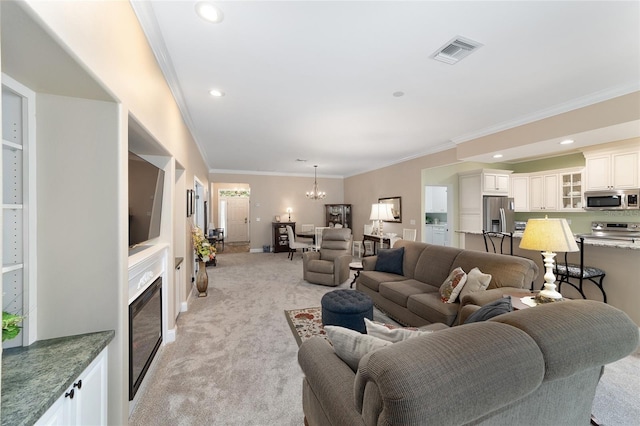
621,244
35,376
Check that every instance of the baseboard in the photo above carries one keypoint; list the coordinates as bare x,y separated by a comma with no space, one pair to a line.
255,250
171,335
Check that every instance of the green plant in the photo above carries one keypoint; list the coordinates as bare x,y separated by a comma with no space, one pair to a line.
10,327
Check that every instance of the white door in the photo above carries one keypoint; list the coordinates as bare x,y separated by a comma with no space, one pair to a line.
237,220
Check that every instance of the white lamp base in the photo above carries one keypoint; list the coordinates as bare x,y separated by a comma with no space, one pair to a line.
549,290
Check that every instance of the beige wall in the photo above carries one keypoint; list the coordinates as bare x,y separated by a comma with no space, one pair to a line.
271,195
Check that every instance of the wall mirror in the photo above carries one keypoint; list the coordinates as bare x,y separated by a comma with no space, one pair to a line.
396,207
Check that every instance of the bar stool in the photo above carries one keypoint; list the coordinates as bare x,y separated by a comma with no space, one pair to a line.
566,271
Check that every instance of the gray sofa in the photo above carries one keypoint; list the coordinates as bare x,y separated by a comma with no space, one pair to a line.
413,298
537,366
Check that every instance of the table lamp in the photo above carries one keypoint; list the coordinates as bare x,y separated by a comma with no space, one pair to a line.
380,212
548,236
289,213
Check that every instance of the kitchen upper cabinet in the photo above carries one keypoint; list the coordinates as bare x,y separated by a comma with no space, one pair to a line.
436,199
520,192
543,191
495,183
612,170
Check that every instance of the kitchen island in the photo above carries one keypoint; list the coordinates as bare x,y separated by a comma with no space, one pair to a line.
619,259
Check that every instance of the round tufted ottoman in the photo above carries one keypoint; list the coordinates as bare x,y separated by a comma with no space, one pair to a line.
346,308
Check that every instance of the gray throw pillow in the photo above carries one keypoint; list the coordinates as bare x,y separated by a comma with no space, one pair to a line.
490,310
390,260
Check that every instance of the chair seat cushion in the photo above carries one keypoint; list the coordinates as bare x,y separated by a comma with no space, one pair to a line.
321,266
574,271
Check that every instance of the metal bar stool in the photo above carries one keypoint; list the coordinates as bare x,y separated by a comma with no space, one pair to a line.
566,271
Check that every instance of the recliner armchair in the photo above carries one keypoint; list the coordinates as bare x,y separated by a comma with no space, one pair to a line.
330,265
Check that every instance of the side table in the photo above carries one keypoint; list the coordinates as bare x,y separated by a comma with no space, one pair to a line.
355,266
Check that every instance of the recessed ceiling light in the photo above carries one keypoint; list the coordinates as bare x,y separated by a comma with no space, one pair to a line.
497,155
566,142
398,94
209,12
216,93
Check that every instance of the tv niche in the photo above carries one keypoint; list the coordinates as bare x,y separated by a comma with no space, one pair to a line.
146,183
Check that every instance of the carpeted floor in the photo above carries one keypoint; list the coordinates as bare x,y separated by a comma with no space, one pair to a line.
234,361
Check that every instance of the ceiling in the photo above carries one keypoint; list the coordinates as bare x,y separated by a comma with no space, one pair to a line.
315,81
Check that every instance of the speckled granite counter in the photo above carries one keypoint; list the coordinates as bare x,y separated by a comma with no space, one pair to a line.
621,244
34,377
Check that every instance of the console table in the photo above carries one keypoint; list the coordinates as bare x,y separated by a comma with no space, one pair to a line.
376,240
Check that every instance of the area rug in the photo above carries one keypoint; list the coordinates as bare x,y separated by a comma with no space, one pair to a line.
305,323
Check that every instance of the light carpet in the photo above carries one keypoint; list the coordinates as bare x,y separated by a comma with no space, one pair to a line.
234,361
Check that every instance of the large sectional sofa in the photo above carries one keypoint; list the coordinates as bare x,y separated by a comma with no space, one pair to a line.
536,366
413,297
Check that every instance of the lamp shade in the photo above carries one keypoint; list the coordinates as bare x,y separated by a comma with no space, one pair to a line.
553,235
381,211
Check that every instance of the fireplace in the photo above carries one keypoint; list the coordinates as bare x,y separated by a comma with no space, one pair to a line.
145,333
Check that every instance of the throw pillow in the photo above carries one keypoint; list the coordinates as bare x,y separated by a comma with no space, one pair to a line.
490,310
390,260
452,286
476,281
390,332
351,345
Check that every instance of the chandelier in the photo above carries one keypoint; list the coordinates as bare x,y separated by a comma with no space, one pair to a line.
316,194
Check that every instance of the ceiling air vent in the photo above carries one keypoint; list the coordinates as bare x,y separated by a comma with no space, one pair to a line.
455,50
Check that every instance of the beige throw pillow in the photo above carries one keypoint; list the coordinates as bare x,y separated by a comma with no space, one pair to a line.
390,332
452,286
350,345
476,281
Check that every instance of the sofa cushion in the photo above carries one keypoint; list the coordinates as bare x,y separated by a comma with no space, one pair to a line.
452,285
476,281
435,264
391,332
373,279
490,310
390,260
321,266
399,291
351,345
429,306
506,271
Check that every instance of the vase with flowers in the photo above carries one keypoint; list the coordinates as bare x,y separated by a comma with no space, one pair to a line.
205,252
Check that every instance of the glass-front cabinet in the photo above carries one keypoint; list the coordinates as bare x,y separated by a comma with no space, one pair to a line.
338,214
572,190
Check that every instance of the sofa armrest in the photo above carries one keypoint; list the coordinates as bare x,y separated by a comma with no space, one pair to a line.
341,268
369,263
331,381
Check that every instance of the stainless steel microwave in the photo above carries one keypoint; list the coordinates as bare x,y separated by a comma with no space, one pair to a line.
612,199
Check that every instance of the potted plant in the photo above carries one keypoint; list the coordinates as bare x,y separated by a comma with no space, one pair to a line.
10,327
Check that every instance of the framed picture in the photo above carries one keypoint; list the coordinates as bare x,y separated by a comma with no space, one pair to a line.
396,207
191,199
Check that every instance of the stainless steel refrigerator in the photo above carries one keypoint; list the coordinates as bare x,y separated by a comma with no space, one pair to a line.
497,213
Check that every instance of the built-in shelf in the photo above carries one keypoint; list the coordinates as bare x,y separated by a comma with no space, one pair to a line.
11,268
12,206
11,145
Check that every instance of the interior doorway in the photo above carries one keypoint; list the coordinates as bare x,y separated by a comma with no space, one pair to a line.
436,221
233,213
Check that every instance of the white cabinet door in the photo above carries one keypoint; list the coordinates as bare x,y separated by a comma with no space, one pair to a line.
520,193
613,171
496,183
436,199
543,190
598,172
625,170
84,402
429,234
439,235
